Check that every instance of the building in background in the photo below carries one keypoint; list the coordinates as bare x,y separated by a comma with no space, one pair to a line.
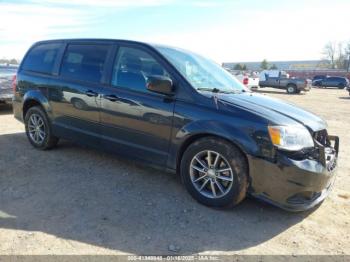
304,69
282,65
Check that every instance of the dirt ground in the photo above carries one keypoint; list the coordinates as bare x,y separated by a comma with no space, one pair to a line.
75,200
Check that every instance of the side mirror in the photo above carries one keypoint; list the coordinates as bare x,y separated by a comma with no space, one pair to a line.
160,84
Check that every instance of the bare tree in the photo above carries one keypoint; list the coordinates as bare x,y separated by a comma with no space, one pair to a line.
340,61
329,52
347,56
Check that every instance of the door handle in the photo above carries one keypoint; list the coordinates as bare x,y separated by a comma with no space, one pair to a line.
91,93
112,98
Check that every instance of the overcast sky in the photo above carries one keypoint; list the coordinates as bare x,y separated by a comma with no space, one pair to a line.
225,31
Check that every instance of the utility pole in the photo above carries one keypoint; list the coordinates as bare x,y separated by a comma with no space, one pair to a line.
347,68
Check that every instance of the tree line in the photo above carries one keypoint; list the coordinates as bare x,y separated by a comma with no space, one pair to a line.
9,61
264,65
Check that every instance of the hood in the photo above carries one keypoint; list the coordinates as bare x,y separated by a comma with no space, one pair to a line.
274,110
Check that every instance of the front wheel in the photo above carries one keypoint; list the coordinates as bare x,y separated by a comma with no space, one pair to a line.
38,129
215,172
291,89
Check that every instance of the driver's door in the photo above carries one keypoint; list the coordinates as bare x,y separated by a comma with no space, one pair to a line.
135,121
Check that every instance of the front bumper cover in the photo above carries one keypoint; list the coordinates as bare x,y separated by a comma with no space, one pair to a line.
295,185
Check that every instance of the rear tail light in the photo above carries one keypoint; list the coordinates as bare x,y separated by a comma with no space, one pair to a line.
245,81
14,83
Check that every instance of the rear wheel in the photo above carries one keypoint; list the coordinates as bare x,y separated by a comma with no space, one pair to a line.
215,172
38,129
291,89
341,86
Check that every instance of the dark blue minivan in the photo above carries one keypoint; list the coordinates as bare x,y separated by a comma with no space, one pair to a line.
176,110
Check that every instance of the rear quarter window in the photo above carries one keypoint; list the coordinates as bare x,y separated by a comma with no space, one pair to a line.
41,58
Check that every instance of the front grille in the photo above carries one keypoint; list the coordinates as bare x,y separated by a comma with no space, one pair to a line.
322,137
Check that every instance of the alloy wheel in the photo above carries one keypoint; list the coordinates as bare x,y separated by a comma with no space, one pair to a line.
211,174
36,128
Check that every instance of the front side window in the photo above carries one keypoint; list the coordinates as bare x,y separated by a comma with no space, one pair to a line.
132,68
200,72
84,62
41,58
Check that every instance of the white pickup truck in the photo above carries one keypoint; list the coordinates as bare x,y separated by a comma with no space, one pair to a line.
249,80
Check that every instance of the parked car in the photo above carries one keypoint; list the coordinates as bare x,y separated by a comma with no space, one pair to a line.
249,80
318,77
281,80
6,76
223,140
332,81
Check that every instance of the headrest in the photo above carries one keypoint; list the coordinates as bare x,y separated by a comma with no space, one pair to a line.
131,62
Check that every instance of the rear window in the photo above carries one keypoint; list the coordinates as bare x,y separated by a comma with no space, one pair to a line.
41,58
84,62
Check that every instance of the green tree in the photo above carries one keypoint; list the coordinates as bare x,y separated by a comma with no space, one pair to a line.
13,61
237,67
273,67
8,61
240,67
264,64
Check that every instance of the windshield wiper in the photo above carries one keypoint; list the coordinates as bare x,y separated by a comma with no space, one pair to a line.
216,90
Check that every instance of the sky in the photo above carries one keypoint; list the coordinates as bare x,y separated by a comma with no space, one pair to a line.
224,31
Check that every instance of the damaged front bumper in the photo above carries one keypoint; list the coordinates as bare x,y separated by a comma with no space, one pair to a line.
296,184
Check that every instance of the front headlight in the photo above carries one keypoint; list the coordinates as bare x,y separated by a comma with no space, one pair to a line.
291,138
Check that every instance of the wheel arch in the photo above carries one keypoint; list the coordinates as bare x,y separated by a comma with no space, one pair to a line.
292,84
191,139
34,98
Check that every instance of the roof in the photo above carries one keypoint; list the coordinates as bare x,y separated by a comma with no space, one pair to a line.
91,40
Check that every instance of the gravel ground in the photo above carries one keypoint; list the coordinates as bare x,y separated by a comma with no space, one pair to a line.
76,200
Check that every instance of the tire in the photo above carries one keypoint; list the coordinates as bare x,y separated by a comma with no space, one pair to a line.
341,86
291,89
34,120
233,187
318,84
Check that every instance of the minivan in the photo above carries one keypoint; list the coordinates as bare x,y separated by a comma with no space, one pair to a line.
178,111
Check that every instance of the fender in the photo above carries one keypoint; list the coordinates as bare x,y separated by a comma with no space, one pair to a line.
246,139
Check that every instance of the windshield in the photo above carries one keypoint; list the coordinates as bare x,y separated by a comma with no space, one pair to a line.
202,73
